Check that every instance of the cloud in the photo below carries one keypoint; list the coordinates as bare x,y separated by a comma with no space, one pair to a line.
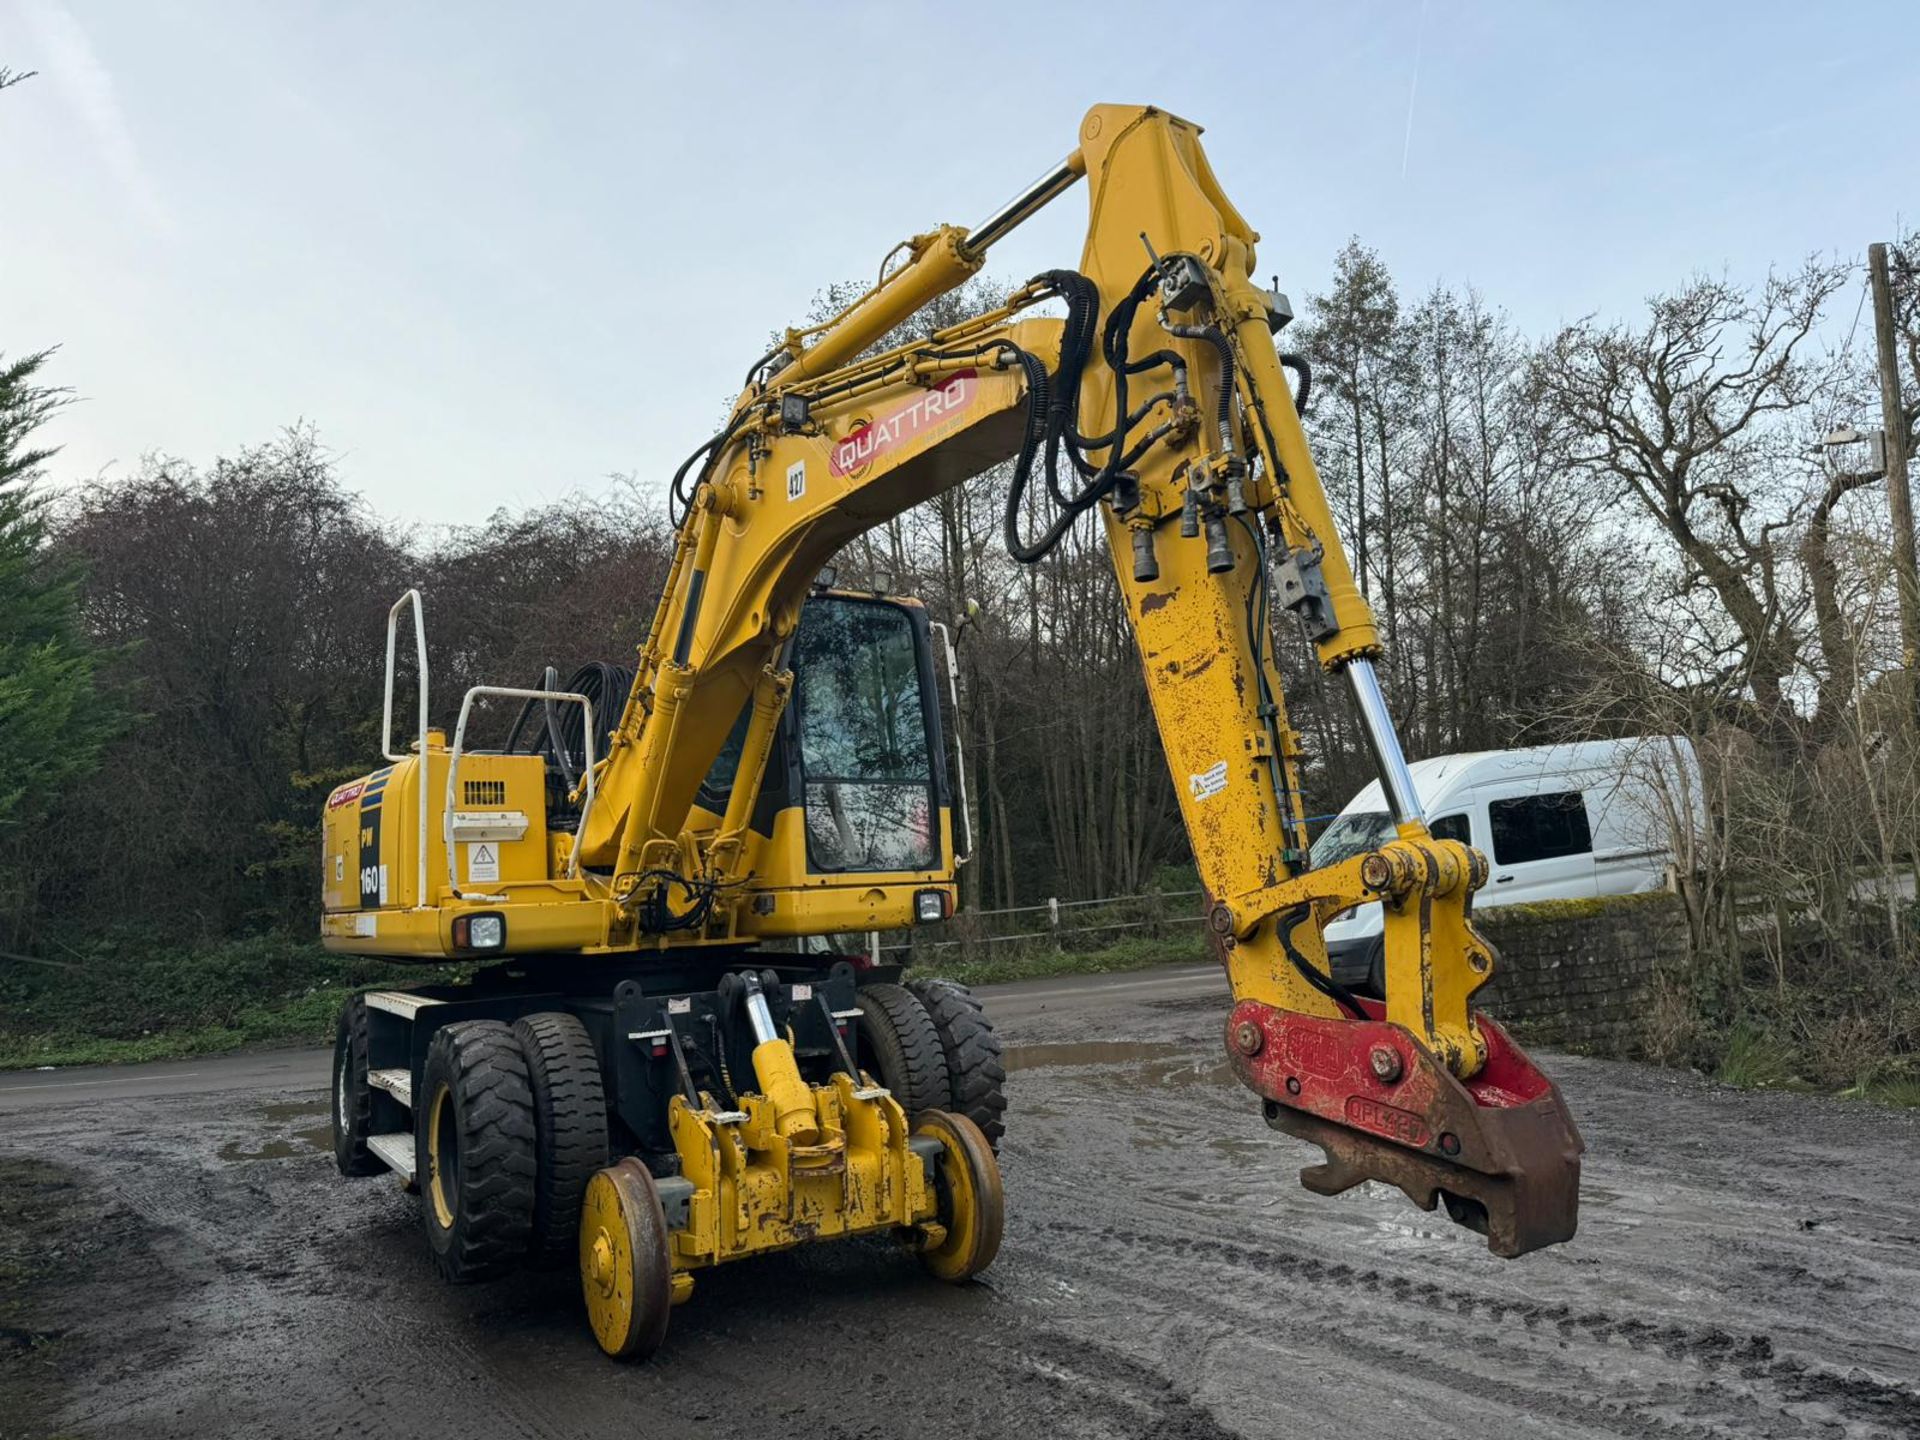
67,62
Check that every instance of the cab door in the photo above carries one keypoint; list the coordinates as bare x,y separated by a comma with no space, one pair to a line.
866,721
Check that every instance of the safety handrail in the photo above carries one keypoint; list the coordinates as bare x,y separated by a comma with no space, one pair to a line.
420,897
510,692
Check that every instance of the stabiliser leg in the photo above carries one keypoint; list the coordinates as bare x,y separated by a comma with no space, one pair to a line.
1500,1149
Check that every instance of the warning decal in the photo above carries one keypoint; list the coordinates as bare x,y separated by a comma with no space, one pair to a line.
1209,782
483,862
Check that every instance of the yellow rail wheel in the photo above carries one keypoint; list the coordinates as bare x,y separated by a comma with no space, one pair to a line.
626,1272
972,1205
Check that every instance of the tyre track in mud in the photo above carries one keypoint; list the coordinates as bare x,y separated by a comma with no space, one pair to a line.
1641,1327
1745,1267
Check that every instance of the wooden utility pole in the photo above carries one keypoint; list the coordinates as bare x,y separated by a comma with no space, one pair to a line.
1893,421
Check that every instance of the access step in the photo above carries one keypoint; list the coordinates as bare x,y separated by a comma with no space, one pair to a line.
403,1003
395,1152
397,1083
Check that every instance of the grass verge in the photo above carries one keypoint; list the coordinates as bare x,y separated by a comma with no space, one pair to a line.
303,1020
124,999
1040,960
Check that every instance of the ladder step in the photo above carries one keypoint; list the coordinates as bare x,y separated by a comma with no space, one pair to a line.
399,1002
395,1151
397,1083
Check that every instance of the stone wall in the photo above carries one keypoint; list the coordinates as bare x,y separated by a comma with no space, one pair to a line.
1581,973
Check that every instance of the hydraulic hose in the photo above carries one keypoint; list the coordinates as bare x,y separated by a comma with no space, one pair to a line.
1302,368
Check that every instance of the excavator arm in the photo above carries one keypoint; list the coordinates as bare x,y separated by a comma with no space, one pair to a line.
1160,401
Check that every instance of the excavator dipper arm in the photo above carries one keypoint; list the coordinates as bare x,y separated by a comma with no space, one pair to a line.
1161,402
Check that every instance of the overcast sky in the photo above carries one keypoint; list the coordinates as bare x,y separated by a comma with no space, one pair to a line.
496,253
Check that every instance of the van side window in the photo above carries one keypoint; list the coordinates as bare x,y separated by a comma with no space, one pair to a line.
1452,827
1539,827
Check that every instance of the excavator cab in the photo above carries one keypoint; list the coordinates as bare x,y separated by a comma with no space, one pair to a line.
857,781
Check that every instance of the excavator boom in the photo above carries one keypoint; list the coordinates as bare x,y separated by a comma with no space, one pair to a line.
771,769
1161,402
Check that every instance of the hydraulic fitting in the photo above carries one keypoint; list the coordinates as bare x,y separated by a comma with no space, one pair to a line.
1219,551
1146,566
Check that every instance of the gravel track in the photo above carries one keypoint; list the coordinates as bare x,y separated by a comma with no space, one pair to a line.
1746,1267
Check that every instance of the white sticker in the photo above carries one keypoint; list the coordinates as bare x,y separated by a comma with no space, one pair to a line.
680,1005
339,868
366,924
802,992
483,863
383,884
796,479
1209,782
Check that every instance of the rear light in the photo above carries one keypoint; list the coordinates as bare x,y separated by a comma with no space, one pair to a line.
929,906
479,932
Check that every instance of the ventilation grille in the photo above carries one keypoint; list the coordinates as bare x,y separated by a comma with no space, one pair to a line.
485,794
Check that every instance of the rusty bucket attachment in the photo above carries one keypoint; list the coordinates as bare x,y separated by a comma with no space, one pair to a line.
1499,1149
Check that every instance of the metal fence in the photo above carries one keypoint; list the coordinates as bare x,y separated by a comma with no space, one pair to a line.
1053,923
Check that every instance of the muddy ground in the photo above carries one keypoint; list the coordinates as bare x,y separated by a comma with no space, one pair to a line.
1747,1265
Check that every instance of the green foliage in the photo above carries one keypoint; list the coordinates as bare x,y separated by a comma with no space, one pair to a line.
1755,1059
124,997
52,723
1576,909
1903,1093
1033,962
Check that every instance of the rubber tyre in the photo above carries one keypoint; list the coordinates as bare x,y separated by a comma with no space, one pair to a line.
976,1063
569,1130
898,1042
474,1150
352,1098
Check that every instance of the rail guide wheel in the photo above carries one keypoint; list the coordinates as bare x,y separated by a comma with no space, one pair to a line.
626,1271
972,1204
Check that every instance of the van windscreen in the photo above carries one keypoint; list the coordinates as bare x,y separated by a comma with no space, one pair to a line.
1351,835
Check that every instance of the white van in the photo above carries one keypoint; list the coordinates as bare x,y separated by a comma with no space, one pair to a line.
1556,822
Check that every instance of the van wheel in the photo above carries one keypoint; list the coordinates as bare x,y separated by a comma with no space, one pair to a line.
1377,971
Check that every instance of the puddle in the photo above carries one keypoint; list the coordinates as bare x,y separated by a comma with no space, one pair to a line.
1090,1052
294,1109
1194,1071
312,1141
1161,1062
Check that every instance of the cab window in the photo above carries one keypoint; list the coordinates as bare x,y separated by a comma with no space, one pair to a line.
864,754
1452,827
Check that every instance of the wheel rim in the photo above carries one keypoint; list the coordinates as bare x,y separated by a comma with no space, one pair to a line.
443,1157
971,1201
625,1269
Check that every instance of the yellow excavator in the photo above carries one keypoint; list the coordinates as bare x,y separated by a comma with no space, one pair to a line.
656,1067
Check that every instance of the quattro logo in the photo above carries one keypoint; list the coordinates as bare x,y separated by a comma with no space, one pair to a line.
907,422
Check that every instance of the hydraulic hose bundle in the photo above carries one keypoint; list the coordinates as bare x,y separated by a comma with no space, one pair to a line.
559,732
